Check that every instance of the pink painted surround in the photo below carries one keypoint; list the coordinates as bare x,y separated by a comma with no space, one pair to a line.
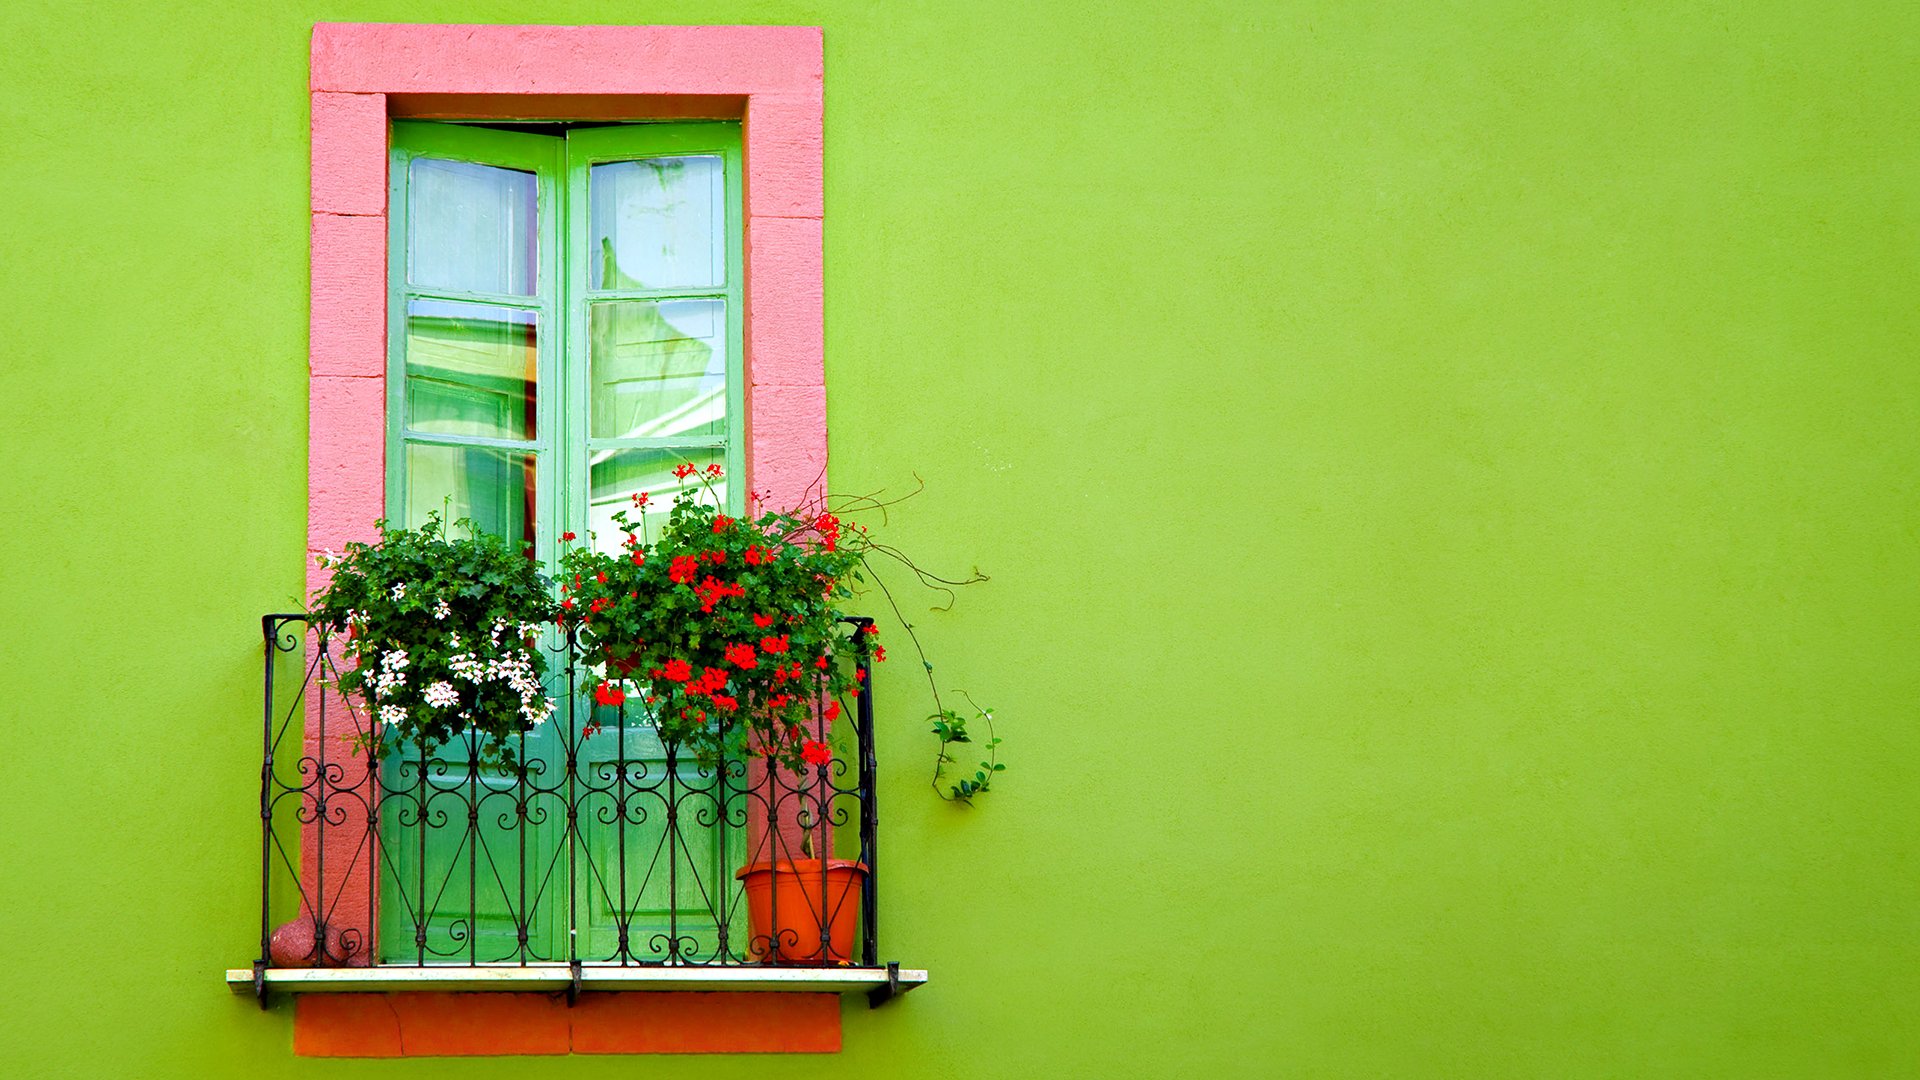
769,77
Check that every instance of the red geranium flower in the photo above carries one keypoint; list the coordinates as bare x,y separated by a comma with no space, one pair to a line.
720,523
774,644
763,621
832,711
609,694
639,559
828,526
683,569
741,655
879,652
640,499
712,590
683,470
601,577
815,752
677,670
567,536
713,470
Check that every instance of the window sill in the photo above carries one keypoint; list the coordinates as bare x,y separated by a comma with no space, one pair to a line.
879,983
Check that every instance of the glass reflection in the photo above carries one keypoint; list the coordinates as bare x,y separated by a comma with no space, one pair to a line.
493,487
658,368
472,228
472,369
657,223
616,476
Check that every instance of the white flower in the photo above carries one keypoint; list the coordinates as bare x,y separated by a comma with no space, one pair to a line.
399,590
441,610
392,714
392,674
536,712
441,694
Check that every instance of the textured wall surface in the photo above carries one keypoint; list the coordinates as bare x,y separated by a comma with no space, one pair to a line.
1448,474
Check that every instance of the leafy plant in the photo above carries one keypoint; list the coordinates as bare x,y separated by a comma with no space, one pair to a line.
726,629
442,635
951,727
728,632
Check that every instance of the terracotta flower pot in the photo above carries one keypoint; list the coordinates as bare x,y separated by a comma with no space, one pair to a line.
293,945
801,899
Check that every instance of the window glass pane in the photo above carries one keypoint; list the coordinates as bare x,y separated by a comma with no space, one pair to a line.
493,487
616,476
659,368
471,369
657,223
472,228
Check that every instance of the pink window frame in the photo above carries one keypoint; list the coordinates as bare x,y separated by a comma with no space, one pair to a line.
364,74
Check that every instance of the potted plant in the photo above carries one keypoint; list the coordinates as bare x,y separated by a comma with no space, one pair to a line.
728,631
442,636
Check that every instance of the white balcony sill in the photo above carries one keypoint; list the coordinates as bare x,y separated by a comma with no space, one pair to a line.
551,977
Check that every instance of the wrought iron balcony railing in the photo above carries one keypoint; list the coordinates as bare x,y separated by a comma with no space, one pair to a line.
599,846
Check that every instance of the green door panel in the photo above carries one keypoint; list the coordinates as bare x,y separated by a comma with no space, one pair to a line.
475,850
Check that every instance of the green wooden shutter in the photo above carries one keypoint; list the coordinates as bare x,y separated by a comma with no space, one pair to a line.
654,271
474,327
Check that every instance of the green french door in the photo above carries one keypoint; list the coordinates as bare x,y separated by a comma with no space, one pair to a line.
564,329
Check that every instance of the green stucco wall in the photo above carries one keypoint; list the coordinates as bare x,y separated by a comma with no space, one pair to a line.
1448,475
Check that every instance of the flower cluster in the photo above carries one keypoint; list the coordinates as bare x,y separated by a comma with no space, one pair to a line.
442,635
724,628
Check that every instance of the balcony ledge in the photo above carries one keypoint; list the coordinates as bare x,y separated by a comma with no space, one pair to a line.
879,983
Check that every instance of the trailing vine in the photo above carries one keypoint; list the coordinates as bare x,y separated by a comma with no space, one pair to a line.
950,726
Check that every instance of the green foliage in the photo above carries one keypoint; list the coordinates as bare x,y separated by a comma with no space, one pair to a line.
950,726
726,630
725,633
442,635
